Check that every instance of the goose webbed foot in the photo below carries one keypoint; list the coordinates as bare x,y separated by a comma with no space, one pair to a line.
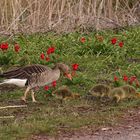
33,96
34,101
23,98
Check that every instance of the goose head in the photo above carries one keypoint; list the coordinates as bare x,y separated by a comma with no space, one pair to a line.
64,69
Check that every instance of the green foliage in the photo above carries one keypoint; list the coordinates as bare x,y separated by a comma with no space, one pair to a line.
6,59
94,52
99,61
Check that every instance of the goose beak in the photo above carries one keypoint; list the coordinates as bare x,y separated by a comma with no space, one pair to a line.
68,75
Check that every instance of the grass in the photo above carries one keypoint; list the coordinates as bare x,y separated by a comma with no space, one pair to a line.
98,63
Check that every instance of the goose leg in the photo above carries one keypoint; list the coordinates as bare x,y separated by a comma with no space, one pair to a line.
25,94
33,96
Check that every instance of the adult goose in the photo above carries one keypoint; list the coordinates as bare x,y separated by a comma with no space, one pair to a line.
34,76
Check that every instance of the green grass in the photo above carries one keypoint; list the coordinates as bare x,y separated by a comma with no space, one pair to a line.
51,116
98,63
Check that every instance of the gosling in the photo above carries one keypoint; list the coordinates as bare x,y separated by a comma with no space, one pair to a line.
100,90
123,92
64,93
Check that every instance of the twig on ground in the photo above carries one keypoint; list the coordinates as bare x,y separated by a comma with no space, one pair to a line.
15,106
6,117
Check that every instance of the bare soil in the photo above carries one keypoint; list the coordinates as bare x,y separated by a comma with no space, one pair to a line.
127,129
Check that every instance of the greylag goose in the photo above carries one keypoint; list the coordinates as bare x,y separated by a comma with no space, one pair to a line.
34,76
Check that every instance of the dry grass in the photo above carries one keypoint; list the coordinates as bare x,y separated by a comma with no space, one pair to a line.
66,15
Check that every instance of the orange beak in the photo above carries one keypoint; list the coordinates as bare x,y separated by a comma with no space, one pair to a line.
68,75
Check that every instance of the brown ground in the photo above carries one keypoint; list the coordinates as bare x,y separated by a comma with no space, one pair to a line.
128,129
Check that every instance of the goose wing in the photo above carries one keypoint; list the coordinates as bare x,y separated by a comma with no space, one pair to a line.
25,72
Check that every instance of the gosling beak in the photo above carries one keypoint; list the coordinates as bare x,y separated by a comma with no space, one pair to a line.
68,75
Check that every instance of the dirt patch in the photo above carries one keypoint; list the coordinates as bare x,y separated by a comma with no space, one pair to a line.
128,129
7,88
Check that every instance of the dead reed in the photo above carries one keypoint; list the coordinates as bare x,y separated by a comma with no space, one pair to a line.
30,16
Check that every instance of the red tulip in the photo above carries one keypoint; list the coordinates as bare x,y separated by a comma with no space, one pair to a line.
133,78
4,46
116,78
82,39
50,50
42,56
17,48
113,41
125,78
54,83
47,59
121,44
46,88
75,66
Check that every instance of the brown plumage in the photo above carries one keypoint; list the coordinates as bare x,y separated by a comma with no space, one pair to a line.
129,90
123,92
100,90
119,93
64,93
25,72
34,76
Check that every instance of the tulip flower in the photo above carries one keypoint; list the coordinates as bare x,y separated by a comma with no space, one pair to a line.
75,66
113,41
